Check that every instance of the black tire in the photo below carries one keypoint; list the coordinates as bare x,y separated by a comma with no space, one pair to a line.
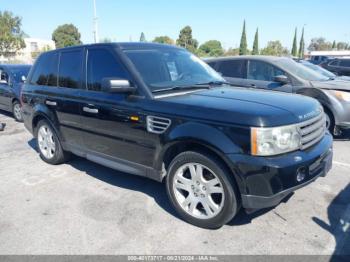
59,155
231,203
17,115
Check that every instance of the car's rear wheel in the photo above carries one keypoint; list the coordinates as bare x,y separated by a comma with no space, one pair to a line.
201,190
49,146
17,111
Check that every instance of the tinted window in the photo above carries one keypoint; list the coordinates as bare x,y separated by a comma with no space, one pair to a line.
102,64
258,70
232,68
70,69
165,68
334,63
45,72
345,62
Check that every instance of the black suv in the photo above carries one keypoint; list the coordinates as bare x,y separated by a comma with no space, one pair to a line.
11,80
285,75
160,112
339,66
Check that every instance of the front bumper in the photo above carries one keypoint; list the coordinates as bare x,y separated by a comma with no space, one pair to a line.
266,181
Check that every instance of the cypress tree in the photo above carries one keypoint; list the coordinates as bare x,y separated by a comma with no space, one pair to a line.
143,37
295,45
243,46
334,46
256,43
302,46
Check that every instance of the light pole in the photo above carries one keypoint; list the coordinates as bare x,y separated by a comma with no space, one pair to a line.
95,24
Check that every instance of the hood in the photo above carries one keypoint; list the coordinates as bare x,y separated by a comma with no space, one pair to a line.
337,84
245,106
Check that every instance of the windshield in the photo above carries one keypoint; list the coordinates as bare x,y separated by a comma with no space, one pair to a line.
19,72
299,70
319,69
166,68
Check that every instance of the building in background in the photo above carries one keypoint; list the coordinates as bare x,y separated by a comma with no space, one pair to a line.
34,46
27,55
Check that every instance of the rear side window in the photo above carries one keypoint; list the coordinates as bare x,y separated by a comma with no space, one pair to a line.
232,68
102,64
345,62
258,70
70,69
45,72
212,64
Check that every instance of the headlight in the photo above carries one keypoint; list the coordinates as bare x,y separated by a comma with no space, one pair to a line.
344,96
275,140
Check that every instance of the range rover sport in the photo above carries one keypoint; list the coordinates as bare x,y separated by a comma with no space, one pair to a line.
158,111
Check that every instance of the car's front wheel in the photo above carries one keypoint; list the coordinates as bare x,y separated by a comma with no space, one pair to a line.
17,111
49,146
202,190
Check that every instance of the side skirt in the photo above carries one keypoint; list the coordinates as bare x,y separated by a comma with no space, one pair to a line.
116,163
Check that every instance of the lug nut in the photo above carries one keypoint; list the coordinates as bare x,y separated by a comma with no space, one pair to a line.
204,188
195,194
198,183
192,186
202,195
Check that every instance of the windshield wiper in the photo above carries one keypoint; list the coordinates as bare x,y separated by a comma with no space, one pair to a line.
206,85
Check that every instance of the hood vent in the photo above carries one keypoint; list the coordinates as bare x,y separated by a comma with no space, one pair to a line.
157,125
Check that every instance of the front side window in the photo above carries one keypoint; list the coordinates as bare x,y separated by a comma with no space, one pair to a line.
163,69
258,70
45,72
102,64
70,69
334,63
232,68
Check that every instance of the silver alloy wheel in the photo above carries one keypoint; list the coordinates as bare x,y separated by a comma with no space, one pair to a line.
198,191
46,142
17,111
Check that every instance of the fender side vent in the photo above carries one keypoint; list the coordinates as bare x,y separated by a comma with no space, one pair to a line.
157,125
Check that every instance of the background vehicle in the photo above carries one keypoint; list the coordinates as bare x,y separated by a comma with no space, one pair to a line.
322,70
339,66
285,75
12,78
318,59
158,111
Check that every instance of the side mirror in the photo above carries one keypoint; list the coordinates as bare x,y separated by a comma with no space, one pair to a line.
23,78
281,79
114,85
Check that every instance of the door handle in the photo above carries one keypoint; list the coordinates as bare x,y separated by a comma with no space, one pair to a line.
51,103
253,85
90,110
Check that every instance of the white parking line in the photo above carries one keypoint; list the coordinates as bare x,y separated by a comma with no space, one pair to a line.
341,164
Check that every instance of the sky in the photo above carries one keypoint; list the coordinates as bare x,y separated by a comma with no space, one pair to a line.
124,20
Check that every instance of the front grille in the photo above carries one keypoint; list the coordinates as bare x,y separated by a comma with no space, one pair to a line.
312,131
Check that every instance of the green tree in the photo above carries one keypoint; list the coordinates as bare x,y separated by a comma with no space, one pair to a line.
256,43
186,40
243,48
66,35
342,46
302,45
211,48
106,40
232,52
319,44
275,48
143,37
11,34
334,45
295,44
163,40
